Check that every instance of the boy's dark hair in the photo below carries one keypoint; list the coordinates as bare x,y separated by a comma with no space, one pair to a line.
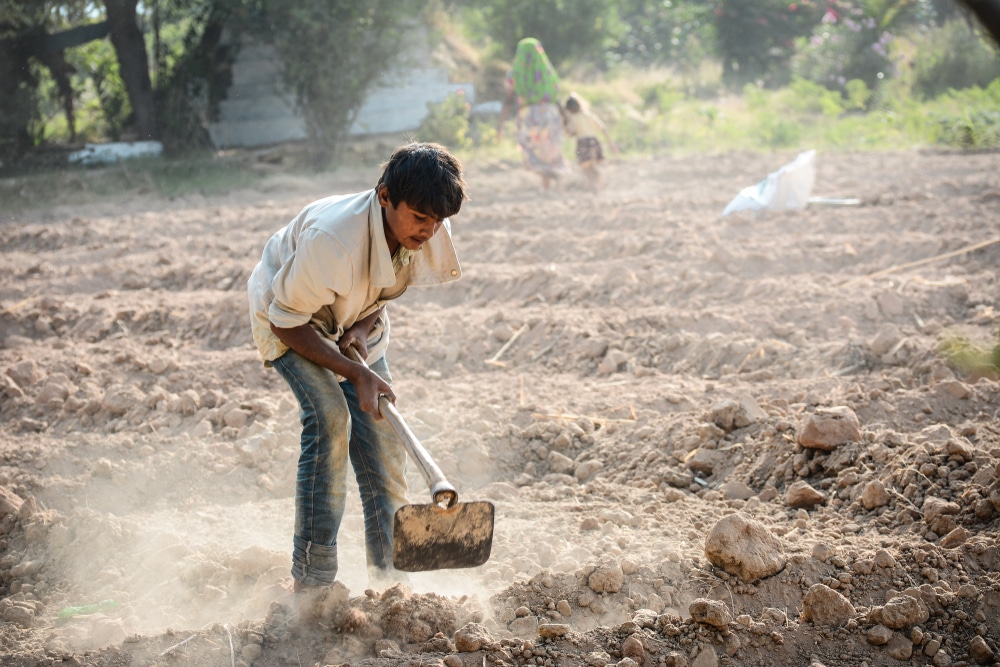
425,176
573,103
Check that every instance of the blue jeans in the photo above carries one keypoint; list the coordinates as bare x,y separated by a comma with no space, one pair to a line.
334,428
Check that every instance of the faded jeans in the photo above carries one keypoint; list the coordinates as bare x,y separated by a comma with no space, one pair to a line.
335,429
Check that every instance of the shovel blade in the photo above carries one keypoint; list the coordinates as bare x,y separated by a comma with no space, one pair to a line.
426,537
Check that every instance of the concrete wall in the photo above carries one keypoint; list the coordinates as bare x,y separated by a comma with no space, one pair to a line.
258,113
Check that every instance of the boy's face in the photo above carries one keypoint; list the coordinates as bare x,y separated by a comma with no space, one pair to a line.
404,225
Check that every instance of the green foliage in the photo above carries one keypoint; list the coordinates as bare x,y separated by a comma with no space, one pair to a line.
447,122
679,33
756,40
807,96
106,107
332,53
970,357
952,56
568,29
661,96
846,46
857,93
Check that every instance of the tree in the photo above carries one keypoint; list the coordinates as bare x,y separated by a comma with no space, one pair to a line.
568,29
332,53
133,63
756,40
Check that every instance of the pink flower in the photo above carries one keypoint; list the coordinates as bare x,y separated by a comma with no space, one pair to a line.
792,7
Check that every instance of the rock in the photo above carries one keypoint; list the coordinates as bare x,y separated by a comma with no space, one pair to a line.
899,647
526,626
706,657
251,652
980,651
18,614
874,495
10,502
560,463
118,399
548,630
633,648
729,414
564,608
24,373
802,495
884,559
829,428
824,606
597,659
934,507
710,612
955,538
744,547
675,659
586,470
705,460
903,611
607,578
472,637
680,479
885,339
613,361
822,551
954,388
879,635
106,632
736,490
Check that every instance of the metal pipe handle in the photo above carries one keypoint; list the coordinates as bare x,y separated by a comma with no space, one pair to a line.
442,492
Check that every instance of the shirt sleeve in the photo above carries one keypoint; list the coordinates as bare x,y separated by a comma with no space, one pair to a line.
314,275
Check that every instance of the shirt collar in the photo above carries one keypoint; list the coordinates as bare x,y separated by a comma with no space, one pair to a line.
382,272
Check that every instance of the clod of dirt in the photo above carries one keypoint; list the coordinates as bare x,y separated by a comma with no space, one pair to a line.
744,547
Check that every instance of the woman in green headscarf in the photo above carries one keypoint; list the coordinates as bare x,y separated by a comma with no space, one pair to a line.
533,85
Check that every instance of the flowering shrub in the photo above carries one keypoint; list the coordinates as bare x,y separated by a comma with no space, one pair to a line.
846,45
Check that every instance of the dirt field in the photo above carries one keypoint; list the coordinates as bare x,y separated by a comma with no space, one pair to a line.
710,441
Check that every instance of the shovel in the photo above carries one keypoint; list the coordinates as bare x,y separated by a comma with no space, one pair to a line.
445,534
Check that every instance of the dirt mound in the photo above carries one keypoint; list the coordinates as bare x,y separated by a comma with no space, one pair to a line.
710,441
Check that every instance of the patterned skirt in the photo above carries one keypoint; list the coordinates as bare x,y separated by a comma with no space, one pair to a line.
540,137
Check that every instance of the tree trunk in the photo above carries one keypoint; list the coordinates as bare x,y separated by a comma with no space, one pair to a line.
133,64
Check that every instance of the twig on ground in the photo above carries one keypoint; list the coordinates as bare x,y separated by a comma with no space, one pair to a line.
177,645
921,262
495,359
232,653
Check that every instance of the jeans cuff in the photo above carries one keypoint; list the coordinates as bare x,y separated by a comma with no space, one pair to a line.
313,564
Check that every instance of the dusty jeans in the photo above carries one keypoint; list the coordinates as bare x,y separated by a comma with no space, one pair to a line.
334,428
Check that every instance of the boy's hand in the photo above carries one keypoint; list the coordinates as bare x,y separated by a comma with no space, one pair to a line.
353,338
370,387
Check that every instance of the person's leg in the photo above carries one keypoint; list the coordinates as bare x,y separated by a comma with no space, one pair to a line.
320,486
379,460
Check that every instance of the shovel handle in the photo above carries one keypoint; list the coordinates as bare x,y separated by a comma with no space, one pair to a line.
442,492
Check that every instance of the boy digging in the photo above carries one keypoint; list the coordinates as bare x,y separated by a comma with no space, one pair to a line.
322,286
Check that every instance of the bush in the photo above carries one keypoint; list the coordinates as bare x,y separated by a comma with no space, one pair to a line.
845,47
447,122
756,40
953,56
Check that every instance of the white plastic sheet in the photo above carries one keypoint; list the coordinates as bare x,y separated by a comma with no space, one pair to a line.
787,188
111,153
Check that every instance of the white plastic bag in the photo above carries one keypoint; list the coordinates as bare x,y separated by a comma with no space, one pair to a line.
787,188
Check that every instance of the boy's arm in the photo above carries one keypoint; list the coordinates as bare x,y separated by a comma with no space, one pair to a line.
356,335
305,341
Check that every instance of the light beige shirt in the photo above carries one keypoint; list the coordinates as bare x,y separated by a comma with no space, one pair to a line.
583,124
330,267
